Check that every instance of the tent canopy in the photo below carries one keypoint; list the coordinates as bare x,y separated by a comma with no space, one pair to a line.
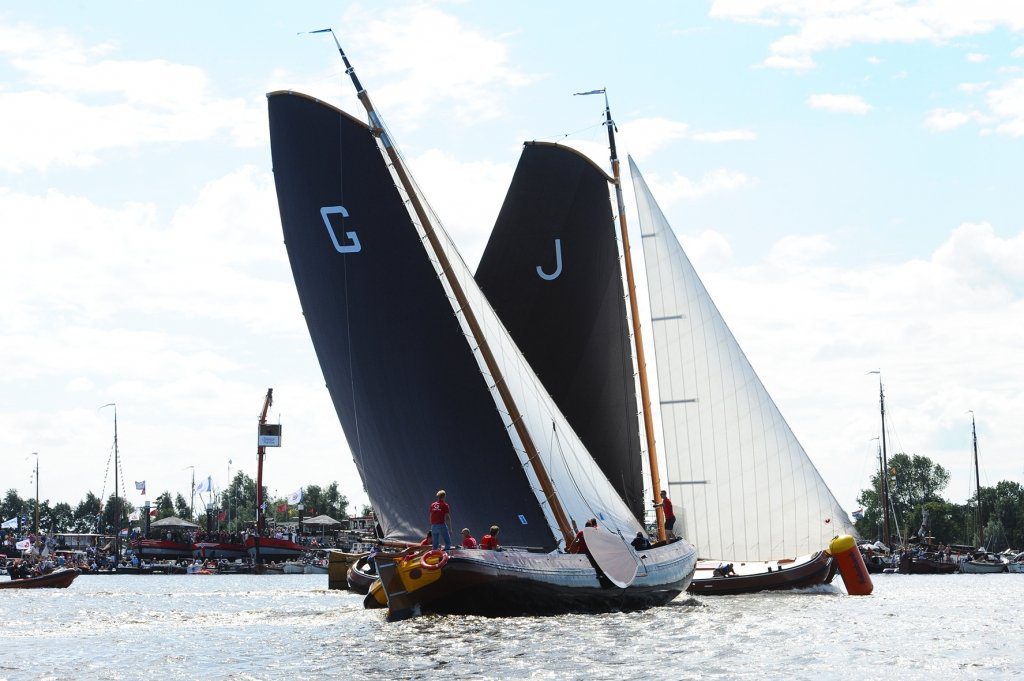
325,520
172,522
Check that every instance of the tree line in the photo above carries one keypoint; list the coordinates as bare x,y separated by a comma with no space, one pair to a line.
231,509
915,486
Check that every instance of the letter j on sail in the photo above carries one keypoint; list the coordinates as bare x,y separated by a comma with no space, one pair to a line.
355,246
558,264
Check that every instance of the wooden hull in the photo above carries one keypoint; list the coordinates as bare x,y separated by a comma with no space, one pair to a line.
159,548
58,579
338,563
514,583
803,572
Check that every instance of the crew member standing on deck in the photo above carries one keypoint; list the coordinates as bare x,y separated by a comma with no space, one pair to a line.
440,514
670,516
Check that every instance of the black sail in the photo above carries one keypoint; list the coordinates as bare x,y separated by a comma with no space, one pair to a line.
416,411
551,271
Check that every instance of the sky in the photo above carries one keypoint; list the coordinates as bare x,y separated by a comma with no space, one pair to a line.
845,177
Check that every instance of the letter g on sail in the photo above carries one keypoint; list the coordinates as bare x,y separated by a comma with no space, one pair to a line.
558,264
355,246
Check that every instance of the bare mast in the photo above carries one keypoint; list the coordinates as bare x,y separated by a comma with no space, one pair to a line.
378,130
977,485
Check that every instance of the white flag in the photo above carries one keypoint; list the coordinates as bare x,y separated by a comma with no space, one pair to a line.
295,497
204,485
23,545
134,516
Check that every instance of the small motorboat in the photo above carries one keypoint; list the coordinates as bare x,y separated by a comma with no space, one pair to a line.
982,564
1017,564
294,567
715,578
58,579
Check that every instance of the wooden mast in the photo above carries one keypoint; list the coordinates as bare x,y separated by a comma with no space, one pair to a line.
638,340
377,128
977,485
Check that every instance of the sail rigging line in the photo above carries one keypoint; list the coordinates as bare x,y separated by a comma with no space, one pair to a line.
381,134
634,309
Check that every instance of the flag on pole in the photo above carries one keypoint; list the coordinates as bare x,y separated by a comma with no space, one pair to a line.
263,507
141,486
152,512
134,516
204,485
222,516
282,507
295,497
858,514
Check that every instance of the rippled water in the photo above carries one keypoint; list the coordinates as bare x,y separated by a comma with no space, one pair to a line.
291,626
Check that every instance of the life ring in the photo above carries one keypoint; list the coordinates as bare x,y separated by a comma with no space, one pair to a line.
426,559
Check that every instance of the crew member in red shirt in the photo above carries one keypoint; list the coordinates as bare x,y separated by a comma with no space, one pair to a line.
670,516
428,540
467,539
490,540
440,514
579,544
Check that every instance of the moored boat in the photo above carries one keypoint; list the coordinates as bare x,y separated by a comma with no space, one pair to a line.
58,579
269,548
219,551
162,549
982,563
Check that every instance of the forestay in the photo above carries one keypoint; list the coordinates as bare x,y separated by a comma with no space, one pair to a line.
743,484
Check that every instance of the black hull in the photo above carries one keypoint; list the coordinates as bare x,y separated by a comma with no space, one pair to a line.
926,566
360,577
814,572
509,584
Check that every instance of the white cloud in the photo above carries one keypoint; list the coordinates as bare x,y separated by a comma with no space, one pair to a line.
686,189
941,120
971,88
813,26
875,61
709,249
647,135
852,104
799,250
736,135
113,103
424,59
976,57
1018,52
1006,104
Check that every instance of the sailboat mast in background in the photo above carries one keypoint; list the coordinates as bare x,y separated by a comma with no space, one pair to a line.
638,342
977,485
886,532
438,251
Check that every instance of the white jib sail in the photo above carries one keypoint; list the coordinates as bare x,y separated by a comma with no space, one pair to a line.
743,485
581,487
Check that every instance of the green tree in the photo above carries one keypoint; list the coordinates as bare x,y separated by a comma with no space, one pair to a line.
60,518
109,520
240,499
914,480
87,513
336,503
181,507
164,506
12,506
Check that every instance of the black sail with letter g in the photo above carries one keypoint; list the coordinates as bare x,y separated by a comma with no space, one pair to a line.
415,408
